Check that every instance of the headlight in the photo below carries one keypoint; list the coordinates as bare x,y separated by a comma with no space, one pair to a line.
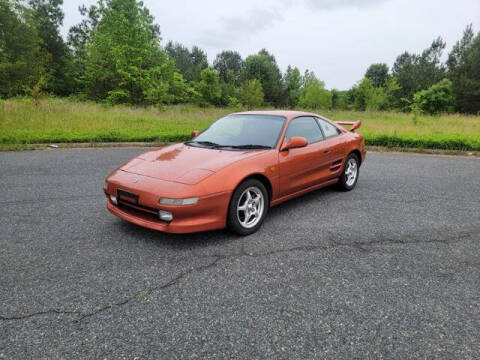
179,202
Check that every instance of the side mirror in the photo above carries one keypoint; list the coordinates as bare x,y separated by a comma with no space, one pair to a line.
295,142
195,133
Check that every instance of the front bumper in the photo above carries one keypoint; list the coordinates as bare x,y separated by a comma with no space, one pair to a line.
202,219
209,213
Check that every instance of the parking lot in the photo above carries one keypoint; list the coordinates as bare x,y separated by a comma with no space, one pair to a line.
389,270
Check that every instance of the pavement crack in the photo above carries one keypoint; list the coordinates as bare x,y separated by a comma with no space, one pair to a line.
218,257
148,292
137,296
49,200
452,240
334,244
46,312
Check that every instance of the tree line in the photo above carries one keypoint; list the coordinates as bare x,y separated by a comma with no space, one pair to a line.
114,55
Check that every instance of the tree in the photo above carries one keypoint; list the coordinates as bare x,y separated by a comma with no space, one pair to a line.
48,17
378,74
392,90
315,96
418,72
21,58
464,70
230,90
264,68
436,99
229,65
339,99
251,94
208,88
292,82
368,97
182,58
199,61
124,61
189,63
78,37
307,78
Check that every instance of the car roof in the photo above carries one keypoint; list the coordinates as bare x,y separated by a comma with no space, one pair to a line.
286,113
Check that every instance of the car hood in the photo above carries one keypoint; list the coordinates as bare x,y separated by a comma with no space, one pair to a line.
184,164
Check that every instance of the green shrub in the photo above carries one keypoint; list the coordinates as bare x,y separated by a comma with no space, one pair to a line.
435,100
251,94
208,88
315,96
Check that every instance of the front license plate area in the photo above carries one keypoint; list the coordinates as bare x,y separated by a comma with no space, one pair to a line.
127,196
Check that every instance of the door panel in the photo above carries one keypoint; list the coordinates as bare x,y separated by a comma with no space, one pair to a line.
314,164
304,167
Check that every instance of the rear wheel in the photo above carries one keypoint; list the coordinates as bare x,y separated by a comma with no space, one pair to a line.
248,207
350,173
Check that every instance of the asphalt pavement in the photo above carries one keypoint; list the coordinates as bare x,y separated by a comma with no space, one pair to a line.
390,270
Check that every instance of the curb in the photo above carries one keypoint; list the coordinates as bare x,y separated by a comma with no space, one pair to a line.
24,147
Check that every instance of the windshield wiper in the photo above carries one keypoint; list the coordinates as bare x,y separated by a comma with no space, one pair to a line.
249,146
216,146
206,143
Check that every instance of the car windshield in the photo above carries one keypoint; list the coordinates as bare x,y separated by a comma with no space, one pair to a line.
242,131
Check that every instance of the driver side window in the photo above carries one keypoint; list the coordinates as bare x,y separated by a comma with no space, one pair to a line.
306,127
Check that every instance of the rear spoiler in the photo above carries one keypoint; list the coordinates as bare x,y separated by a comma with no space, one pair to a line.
355,124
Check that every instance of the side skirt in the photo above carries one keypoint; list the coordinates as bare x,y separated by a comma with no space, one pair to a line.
302,192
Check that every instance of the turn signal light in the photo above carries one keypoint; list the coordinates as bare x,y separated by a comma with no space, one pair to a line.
179,202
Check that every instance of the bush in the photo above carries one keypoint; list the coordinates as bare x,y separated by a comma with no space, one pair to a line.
116,97
435,100
367,97
251,94
315,96
339,99
208,88
233,102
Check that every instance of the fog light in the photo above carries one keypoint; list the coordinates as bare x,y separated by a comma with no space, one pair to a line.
165,215
113,199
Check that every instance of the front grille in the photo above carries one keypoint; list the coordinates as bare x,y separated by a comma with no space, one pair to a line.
144,212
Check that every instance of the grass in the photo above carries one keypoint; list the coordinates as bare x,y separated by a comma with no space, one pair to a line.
391,129
23,122
61,120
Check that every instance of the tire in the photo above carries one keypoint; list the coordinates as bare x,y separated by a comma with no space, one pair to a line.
248,199
350,174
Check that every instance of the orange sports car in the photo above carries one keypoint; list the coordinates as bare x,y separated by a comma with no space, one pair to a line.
234,171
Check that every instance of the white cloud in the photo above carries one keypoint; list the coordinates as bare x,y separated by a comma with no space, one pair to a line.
238,27
336,4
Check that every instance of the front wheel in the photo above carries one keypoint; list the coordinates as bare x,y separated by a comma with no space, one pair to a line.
350,173
248,207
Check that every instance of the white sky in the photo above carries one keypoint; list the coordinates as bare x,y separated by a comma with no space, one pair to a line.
337,39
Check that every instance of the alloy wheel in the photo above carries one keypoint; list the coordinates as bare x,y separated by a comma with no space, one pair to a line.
250,207
351,171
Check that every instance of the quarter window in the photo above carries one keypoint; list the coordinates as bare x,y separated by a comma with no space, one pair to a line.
328,129
306,127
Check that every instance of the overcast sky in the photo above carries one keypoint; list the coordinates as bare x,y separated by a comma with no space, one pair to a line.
337,39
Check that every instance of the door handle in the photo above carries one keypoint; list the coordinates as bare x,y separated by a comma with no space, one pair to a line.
326,151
